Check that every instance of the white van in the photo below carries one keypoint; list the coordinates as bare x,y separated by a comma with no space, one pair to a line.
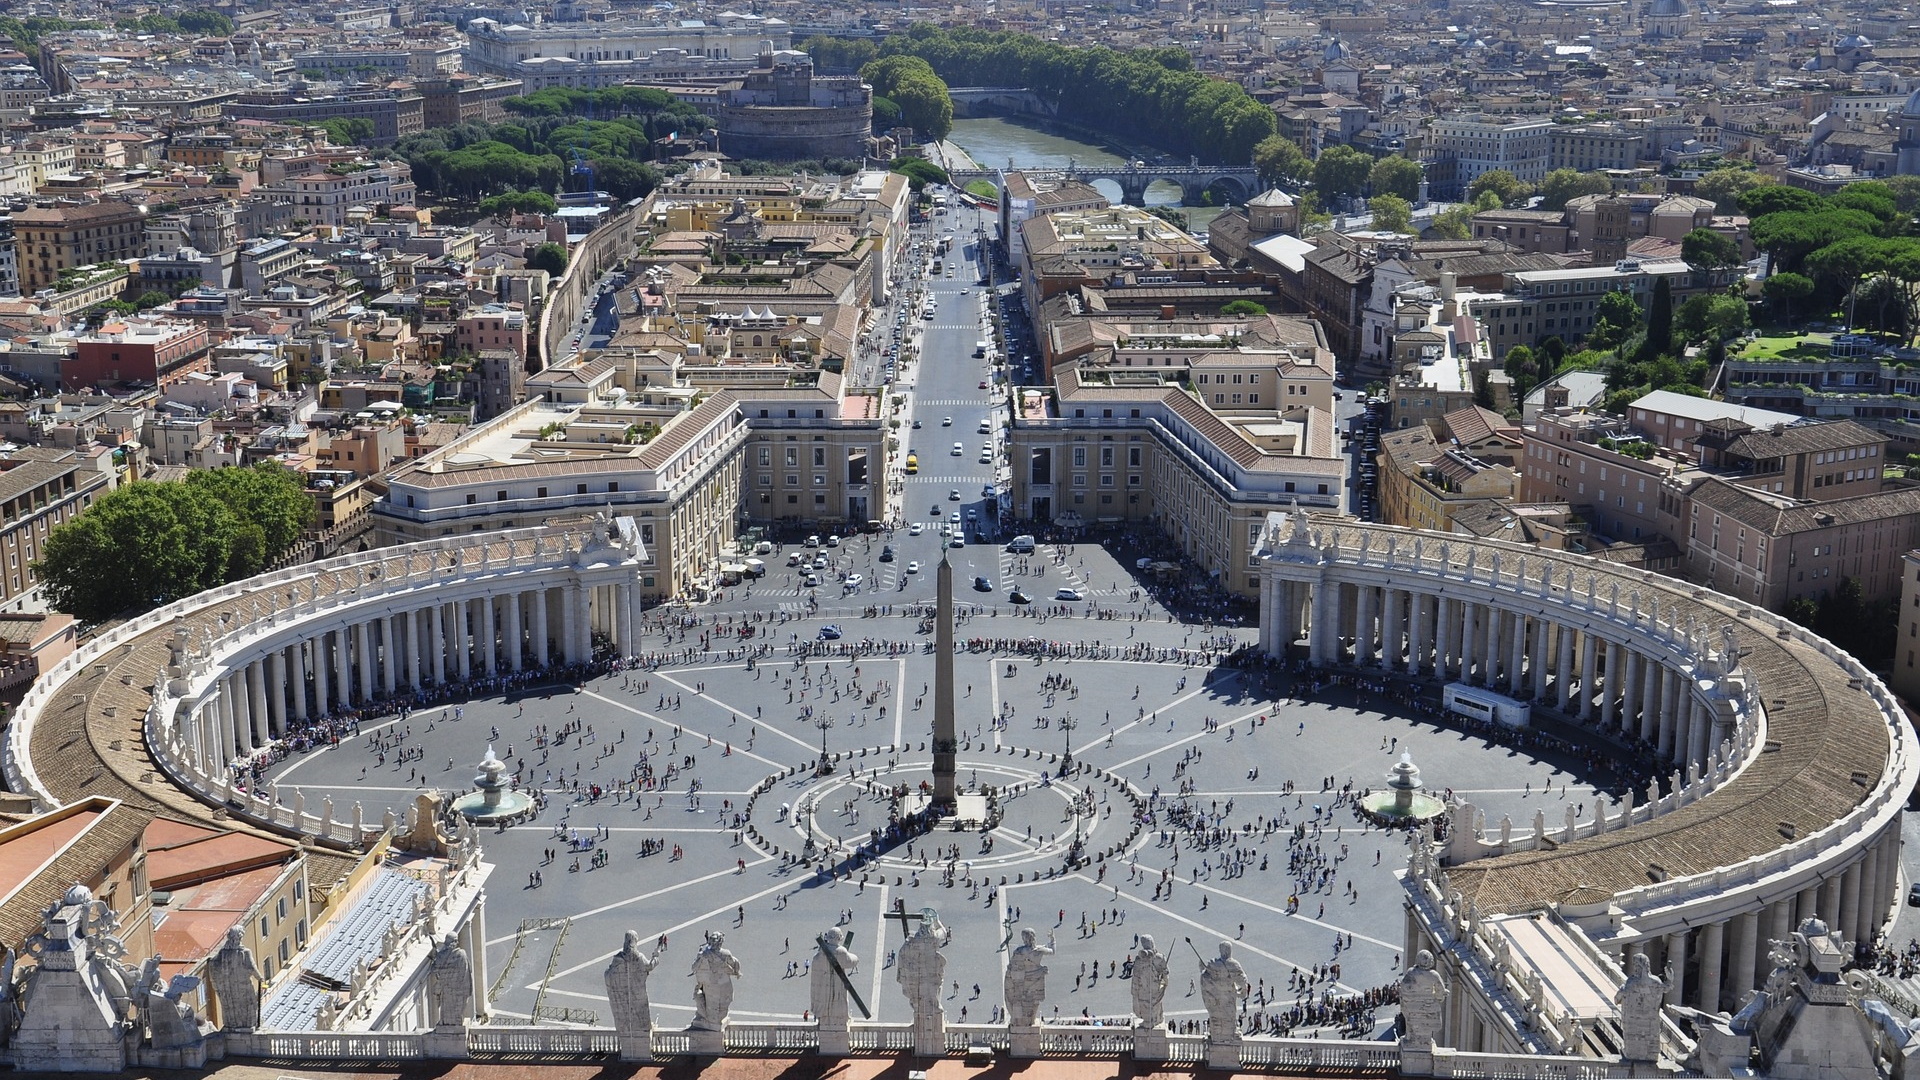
1021,545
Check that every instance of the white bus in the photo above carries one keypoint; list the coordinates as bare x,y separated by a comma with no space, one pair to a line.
1483,704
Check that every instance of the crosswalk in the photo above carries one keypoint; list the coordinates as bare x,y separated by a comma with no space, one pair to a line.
943,402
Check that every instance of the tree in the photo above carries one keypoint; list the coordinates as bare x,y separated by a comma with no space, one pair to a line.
1454,223
1725,186
1906,193
1707,249
1845,262
347,130
1503,184
146,543
1395,175
1617,315
1711,317
1785,290
518,202
1340,171
1242,307
920,172
1660,319
1391,213
550,256
1764,199
910,83
1562,185
1523,369
1281,161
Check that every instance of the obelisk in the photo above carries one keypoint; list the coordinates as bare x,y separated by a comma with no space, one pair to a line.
945,741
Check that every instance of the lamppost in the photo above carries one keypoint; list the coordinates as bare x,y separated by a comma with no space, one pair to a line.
1067,724
823,722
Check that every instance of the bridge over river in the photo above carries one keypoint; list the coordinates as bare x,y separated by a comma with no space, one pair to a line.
1236,182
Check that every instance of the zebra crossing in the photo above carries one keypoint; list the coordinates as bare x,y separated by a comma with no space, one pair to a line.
945,402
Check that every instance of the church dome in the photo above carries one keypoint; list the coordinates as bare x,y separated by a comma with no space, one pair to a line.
1912,107
1667,9
1337,50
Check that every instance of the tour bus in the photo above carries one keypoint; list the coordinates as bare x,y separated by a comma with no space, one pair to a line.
946,244
937,267
913,464
980,348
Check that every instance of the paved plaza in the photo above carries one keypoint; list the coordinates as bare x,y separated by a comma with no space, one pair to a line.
1207,789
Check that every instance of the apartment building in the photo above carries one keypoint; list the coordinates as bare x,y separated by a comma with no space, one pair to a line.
1118,443
41,488
157,351
1905,679
1771,549
1539,304
51,240
1595,147
1024,195
329,195
1460,148
394,114
1424,485
1631,488
599,54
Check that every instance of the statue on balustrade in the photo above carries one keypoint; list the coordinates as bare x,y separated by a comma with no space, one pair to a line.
449,983
1423,1002
235,979
1026,980
1149,977
832,965
714,969
919,968
10,995
627,986
1223,983
1640,999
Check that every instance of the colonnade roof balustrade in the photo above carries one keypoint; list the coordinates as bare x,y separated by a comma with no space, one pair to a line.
1838,759
82,727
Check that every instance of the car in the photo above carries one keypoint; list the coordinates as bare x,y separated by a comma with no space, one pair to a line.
983,384
958,450
913,568
1018,597
954,517
958,541
833,541
795,559
916,423
953,495
972,513
886,553
813,541
914,529
986,427
946,421
853,581
1142,564
985,458
1067,594
946,529
830,632
986,491
981,584
810,580
1913,894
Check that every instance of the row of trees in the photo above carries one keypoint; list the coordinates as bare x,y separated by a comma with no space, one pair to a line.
192,21
148,543
537,153
1853,248
1152,95
907,86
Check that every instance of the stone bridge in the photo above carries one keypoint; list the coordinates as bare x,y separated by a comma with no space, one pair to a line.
1237,182
998,101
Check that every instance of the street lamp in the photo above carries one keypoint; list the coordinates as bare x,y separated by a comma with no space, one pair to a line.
1067,724
823,722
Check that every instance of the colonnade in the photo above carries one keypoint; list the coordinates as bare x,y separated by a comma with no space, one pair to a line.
1558,659
322,667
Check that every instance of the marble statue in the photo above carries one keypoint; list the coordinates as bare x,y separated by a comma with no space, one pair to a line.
449,983
171,1021
832,965
627,986
1149,984
1026,980
1423,1002
236,983
1640,998
919,969
1223,982
714,969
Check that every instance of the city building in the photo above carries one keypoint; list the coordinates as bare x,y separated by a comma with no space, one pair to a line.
781,110
52,240
1025,194
1460,148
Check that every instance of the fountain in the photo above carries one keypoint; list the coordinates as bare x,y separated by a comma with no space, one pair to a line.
492,801
1403,803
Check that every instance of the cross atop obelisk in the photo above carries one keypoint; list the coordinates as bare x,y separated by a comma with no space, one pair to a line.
945,739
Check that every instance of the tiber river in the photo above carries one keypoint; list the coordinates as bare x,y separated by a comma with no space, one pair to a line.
994,141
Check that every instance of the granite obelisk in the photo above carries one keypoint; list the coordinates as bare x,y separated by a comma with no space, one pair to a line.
945,741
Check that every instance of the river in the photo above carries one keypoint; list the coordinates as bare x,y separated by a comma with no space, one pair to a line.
998,142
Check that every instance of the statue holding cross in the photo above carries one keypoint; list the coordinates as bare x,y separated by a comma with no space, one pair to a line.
919,969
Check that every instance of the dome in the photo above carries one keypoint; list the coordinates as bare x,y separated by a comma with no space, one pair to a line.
1667,9
1337,50
1912,107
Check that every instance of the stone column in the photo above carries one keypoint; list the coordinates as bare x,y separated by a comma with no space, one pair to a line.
512,649
1886,877
389,657
1828,904
1563,671
1700,733
221,743
540,627
1610,683
414,618
1420,633
489,637
482,992
1589,663
1325,627
322,674
573,613
1712,941
437,643
1649,699
1542,657
257,702
1779,925
1742,975
1467,643
277,701
1670,746
343,666
1848,922
623,615
1365,636
231,745
1446,629
460,617
1677,959
1517,657
1491,654
363,659
1630,723
298,650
